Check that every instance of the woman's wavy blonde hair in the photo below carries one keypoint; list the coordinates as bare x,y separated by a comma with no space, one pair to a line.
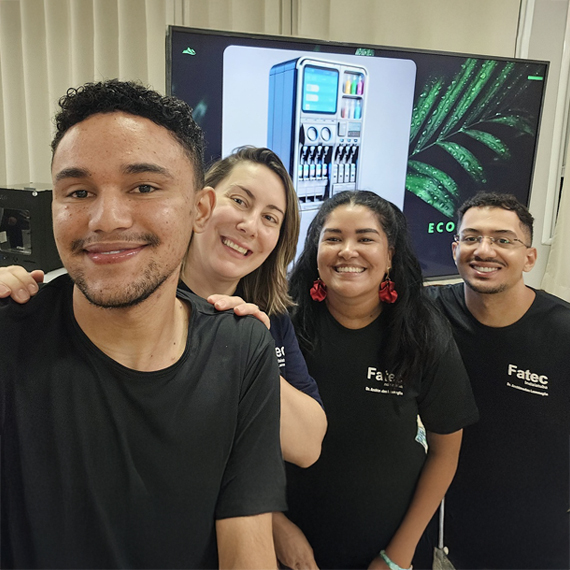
267,285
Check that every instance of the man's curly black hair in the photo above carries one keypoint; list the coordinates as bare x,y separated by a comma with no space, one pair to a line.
130,97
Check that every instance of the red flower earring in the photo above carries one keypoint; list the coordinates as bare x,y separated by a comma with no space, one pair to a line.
318,291
387,291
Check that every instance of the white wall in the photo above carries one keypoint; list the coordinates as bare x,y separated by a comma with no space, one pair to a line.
485,27
546,43
47,46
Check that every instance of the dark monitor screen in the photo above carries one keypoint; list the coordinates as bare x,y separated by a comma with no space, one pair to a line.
26,235
15,231
424,129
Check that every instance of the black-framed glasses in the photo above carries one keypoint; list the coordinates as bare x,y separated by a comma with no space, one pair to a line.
502,242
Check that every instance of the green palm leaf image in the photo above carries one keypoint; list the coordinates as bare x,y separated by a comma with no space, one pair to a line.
496,91
476,86
493,142
447,183
446,103
465,158
426,101
449,113
426,188
516,121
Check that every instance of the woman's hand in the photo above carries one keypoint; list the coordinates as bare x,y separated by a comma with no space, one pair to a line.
17,283
240,307
291,546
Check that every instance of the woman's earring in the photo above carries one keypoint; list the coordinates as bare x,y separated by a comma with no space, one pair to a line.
387,291
318,291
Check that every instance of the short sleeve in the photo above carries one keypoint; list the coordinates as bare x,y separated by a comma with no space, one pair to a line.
287,347
254,478
446,403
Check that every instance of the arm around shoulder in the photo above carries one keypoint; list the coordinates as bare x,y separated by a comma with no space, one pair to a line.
17,283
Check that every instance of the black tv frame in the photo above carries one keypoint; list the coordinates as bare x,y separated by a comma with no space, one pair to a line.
432,231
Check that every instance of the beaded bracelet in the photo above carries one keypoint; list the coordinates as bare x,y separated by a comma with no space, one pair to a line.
390,563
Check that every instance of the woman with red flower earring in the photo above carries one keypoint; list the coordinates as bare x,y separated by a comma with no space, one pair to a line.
394,386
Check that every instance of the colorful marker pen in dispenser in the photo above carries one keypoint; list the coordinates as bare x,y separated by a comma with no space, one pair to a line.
358,109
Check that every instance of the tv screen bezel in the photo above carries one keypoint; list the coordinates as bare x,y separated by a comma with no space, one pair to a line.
366,50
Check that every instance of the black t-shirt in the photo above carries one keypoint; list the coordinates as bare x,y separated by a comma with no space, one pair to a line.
508,504
104,466
350,503
292,365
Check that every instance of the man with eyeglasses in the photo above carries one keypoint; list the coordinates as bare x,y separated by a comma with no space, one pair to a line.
508,504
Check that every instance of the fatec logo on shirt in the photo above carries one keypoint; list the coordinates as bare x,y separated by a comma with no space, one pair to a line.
527,381
384,382
280,353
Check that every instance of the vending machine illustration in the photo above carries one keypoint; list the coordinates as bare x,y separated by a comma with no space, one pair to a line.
315,124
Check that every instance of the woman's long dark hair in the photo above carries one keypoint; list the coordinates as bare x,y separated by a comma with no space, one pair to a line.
416,332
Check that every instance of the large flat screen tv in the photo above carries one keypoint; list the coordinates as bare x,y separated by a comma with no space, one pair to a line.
423,129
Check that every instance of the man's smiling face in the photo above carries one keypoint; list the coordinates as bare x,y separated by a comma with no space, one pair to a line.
486,267
122,207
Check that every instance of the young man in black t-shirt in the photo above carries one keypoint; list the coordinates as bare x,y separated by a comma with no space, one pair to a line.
508,505
139,427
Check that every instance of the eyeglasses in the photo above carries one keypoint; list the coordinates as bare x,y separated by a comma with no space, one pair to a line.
502,242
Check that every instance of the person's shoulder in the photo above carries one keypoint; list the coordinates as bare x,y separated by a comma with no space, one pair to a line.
280,324
548,299
196,302
446,297
206,317
44,301
27,325
203,309
446,291
281,319
550,308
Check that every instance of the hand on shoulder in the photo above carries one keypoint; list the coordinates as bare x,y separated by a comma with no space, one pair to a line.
240,307
17,283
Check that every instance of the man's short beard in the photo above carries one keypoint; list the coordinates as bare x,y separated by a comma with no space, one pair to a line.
133,294
486,291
